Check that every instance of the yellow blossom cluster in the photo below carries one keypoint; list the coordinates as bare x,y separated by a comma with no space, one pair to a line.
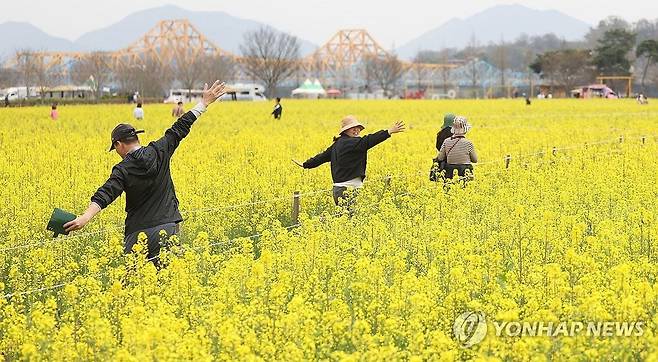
568,232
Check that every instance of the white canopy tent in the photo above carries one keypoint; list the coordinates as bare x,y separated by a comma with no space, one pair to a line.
310,89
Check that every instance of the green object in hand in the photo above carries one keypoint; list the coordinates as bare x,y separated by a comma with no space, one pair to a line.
57,221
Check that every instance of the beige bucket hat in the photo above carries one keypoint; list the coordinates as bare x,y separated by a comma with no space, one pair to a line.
349,122
460,126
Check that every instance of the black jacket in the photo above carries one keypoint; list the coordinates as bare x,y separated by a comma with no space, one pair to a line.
145,177
278,109
443,135
348,156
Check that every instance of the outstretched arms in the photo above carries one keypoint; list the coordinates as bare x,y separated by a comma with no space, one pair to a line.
105,195
364,143
317,160
83,219
369,141
397,127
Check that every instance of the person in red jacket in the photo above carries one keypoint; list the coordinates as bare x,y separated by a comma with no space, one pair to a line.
53,112
349,155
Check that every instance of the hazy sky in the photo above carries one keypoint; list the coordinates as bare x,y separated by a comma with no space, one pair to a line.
390,21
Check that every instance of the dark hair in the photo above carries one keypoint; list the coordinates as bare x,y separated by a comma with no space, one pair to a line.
278,99
139,105
128,140
180,102
54,106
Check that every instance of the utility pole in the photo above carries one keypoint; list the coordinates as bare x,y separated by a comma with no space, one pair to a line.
502,61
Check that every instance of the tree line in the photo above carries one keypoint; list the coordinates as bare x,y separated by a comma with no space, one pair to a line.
268,57
613,47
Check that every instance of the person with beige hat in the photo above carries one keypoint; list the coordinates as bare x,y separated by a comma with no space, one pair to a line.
348,155
458,152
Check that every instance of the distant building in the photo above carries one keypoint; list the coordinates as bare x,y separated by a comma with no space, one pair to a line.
69,92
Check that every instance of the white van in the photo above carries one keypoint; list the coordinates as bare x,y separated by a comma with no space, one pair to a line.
18,93
184,95
234,92
244,92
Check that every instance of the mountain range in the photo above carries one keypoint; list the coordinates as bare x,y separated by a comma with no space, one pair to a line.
503,22
225,30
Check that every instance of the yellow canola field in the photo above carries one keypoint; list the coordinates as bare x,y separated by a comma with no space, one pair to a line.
557,237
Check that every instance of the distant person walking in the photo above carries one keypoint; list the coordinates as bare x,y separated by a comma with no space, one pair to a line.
178,110
349,155
53,112
138,112
457,151
278,109
6,100
144,175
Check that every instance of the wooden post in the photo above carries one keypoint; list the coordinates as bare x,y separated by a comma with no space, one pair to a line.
554,151
295,207
387,181
508,158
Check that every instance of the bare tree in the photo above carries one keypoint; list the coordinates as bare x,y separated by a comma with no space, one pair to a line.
527,61
124,75
472,69
317,68
25,66
189,70
564,68
441,58
94,69
368,75
218,67
150,77
343,78
385,71
419,70
8,77
445,73
45,76
501,62
270,56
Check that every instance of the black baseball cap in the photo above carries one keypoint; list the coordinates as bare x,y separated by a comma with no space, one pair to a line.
122,132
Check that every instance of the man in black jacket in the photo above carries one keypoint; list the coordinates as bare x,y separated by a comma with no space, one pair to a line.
349,155
278,109
144,175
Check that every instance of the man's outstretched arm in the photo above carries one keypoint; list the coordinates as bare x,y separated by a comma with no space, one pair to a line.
105,195
181,128
83,219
